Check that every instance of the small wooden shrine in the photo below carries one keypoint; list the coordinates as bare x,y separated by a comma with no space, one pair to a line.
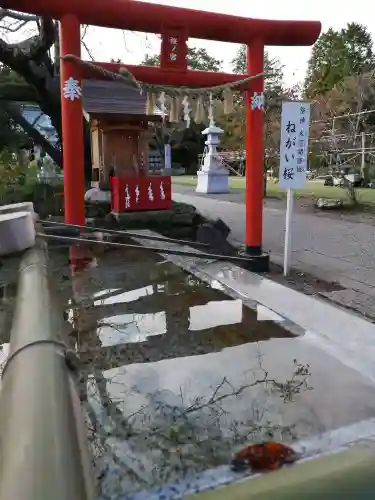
120,134
120,130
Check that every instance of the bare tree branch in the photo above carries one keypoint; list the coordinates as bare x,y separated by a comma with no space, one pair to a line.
12,22
83,36
19,16
37,46
34,47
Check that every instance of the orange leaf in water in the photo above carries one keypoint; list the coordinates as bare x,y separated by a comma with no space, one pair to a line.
264,457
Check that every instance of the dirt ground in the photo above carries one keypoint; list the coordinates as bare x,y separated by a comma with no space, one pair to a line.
310,285
301,281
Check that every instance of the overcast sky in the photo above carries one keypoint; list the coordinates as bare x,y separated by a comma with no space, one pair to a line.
131,47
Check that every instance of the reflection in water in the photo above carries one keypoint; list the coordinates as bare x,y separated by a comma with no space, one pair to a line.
131,328
220,313
176,375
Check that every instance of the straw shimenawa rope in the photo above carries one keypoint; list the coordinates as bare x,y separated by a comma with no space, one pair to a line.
105,72
126,77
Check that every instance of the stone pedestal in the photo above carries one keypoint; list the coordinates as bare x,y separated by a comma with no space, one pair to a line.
213,177
212,182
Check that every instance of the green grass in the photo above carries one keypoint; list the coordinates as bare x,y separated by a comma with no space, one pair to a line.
313,189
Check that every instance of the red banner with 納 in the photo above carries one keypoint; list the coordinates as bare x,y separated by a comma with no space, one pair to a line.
130,194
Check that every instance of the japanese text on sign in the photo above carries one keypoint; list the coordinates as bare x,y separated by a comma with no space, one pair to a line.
174,42
294,143
141,193
150,194
72,89
257,101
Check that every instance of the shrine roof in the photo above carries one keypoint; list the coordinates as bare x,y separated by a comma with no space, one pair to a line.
114,98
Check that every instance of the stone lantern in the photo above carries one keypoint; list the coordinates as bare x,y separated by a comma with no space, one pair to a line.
213,176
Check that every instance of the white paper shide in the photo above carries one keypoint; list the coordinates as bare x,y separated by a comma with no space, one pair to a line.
294,142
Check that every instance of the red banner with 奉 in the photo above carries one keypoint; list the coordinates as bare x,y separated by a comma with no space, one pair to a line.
130,194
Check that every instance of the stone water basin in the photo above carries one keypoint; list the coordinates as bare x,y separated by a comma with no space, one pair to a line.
177,375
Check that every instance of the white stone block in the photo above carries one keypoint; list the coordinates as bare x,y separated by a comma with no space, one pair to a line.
17,232
212,182
26,206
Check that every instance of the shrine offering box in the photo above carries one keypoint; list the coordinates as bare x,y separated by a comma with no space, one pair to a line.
131,194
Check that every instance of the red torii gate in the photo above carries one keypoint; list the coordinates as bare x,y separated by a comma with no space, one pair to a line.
178,23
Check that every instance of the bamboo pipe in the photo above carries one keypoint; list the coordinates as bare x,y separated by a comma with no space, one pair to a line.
44,452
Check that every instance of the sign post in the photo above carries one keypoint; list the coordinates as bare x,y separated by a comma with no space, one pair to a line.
294,142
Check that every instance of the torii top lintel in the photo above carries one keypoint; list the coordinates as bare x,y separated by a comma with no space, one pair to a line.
154,18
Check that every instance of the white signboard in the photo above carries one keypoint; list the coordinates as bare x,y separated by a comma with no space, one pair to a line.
294,142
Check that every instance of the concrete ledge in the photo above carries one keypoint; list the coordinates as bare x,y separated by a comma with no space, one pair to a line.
26,206
17,232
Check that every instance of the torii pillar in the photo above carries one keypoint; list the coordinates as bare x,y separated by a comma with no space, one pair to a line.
72,122
254,150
